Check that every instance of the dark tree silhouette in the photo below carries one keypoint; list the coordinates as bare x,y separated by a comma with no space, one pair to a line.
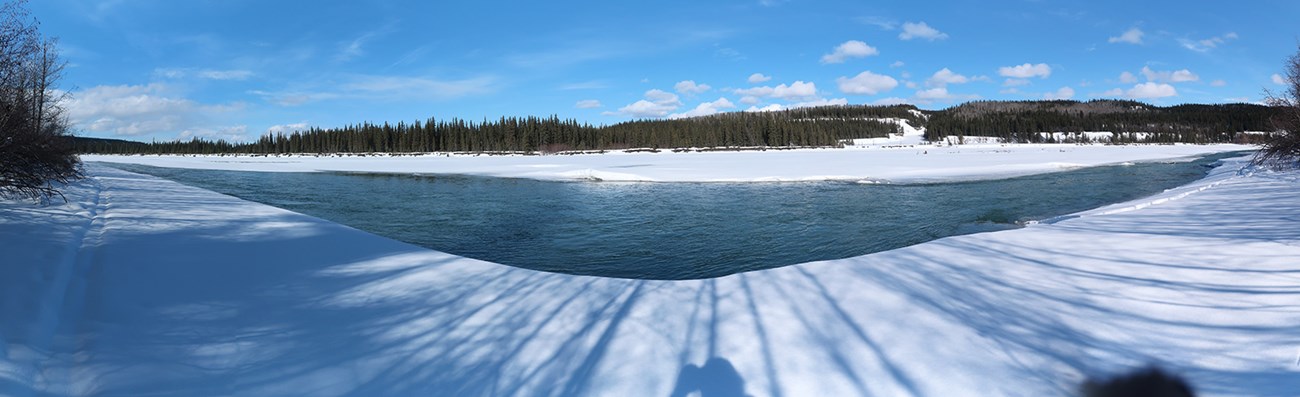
1282,150
36,152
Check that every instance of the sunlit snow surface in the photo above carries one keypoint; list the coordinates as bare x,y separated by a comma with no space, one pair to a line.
142,286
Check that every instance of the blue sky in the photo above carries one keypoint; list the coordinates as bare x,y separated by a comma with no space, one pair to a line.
236,69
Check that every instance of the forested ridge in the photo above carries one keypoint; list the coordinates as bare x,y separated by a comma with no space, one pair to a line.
1130,121
1012,121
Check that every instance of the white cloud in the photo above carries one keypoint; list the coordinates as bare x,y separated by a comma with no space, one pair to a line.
940,94
1177,76
890,101
760,91
1277,79
920,30
1062,93
850,49
933,93
897,64
285,128
819,102
1184,75
909,84
1127,78
1025,71
1150,90
769,108
1131,36
587,104
812,103
689,87
1218,83
758,78
1115,92
944,77
749,100
657,103
1015,82
662,97
866,83
133,110
1206,45
795,90
705,109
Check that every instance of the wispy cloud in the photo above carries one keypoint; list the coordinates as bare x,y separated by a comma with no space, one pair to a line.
207,74
1131,36
585,85
356,47
385,88
1205,45
920,30
406,87
880,22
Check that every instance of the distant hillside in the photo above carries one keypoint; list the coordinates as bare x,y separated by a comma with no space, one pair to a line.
1010,121
1022,121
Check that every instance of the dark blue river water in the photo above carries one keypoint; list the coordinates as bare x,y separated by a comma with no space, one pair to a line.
678,230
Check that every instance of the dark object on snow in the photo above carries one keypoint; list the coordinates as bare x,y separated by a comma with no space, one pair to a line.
1150,382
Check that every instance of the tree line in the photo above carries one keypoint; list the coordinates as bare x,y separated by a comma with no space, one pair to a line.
1010,121
793,128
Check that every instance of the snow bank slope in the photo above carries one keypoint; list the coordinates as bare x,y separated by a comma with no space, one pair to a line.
181,291
898,164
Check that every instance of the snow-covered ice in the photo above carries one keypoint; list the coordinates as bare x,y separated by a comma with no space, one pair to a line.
899,161
142,286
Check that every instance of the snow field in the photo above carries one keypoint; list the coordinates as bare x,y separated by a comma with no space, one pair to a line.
142,286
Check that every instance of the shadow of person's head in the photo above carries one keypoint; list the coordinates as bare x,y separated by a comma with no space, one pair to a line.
717,378
1150,382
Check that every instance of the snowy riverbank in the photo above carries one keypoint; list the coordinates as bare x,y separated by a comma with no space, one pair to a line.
905,163
142,286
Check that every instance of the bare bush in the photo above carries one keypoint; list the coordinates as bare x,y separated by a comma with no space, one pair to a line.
36,152
1282,150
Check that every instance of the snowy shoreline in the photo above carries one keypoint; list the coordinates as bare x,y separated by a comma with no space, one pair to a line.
920,163
145,286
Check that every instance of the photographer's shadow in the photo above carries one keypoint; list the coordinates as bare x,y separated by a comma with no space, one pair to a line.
717,378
